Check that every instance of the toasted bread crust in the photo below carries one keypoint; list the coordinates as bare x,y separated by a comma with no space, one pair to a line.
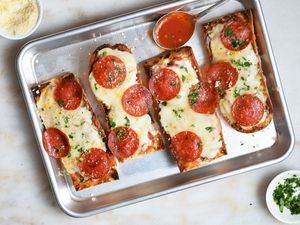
93,59
76,177
187,53
247,18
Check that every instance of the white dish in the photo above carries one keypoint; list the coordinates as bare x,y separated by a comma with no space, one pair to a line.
285,216
13,37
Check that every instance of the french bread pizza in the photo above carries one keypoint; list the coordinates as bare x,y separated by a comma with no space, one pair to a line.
72,133
186,108
115,81
236,72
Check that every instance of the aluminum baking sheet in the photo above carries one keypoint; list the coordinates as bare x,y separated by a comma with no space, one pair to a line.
155,174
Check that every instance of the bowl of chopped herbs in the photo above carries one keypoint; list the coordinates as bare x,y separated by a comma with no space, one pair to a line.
283,197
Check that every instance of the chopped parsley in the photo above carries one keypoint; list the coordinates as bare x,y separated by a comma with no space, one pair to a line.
237,43
236,92
177,112
69,155
174,84
193,125
183,78
78,125
241,63
80,150
61,103
221,91
205,158
111,77
193,97
112,123
199,144
66,119
71,136
209,129
104,53
81,179
100,132
287,195
184,68
247,87
96,86
120,134
127,124
178,96
164,103
228,32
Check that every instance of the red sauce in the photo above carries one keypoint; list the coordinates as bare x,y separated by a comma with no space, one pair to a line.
174,30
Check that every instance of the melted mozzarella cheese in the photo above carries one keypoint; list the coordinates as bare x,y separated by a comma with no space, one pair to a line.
249,81
76,124
206,126
112,99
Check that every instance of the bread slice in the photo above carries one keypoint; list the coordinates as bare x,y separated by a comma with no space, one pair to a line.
112,105
207,126
248,63
87,133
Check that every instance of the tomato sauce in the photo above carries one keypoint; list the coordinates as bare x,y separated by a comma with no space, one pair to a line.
174,30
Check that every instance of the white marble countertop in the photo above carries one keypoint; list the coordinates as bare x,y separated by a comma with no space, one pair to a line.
25,195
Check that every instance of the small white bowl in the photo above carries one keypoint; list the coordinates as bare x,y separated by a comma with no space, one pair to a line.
13,37
285,216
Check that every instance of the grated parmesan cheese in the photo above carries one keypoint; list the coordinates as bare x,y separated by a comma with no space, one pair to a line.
18,17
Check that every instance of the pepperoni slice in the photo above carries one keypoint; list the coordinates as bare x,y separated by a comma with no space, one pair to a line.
235,36
164,84
123,142
109,71
222,75
203,98
247,110
56,143
136,100
186,146
95,164
68,93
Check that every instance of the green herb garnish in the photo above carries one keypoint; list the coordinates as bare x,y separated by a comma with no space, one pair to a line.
120,134
96,86
80,150
193,97
183,78
287,195
164,103
177,112
112,123
78,125
199,144
247,87
104,53
184,68
71,136
241,63
127,124
236,92
66,119
228,32
209,129
61,103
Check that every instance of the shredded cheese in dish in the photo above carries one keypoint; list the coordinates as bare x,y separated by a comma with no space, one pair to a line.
18,17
